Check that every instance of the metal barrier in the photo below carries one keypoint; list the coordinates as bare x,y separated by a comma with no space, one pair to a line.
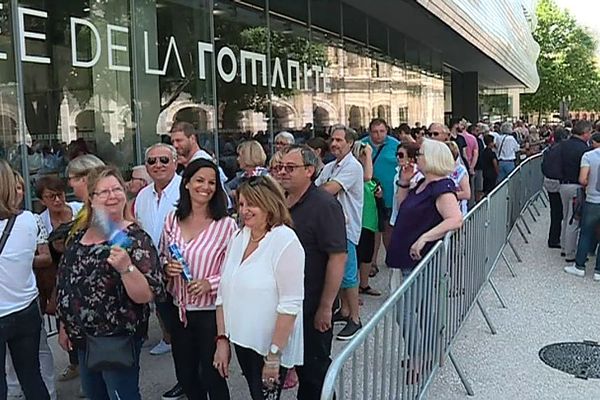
51,325
398,352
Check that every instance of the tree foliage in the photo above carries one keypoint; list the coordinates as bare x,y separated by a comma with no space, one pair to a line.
567,63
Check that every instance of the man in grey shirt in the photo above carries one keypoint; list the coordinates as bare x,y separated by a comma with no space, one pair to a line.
590,219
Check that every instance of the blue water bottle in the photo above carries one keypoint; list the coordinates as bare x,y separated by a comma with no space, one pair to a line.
177,256
111,231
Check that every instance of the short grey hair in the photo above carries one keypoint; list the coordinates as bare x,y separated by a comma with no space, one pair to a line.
506,128
285,136
83,165
349,134
161,146
309,157
485,128
144,171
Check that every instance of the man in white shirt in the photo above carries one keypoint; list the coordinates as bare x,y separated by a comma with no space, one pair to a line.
152,205
343,178
508,147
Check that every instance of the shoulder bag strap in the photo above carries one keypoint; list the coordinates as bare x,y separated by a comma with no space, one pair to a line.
378,153
500,149
6,233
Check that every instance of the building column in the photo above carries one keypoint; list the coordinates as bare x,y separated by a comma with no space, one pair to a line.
465,95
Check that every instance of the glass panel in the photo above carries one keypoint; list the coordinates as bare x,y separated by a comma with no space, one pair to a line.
325,16
378,36
296,10
10,135
302,62
354,23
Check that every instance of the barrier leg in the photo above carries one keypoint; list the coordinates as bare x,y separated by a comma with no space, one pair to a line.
531,213
495,289
544,197
512,272
487,318
521,232
513,248
461,375
526,226
535,208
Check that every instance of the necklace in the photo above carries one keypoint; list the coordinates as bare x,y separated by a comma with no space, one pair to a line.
259,239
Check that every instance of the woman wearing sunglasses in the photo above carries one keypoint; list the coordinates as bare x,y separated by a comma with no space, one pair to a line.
200,229
259,301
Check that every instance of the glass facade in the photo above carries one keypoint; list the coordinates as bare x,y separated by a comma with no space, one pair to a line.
112,76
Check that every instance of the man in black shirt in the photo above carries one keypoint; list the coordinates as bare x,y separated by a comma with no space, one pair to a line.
460,141
571,152
320,225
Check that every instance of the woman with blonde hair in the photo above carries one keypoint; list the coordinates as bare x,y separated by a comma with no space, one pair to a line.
425,214
104,286
251,159
20,321
259,301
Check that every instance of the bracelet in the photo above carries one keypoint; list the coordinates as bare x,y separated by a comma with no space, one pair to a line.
221,337
400,185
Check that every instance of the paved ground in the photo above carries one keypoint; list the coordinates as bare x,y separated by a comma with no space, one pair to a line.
546,305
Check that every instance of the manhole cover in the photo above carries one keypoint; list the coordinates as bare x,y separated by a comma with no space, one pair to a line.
581,359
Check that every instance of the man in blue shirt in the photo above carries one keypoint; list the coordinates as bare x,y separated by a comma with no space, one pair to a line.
384,169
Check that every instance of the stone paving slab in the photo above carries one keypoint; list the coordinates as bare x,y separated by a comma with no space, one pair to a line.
545,305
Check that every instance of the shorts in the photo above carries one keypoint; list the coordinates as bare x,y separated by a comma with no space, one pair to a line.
350,279
478,180
366,246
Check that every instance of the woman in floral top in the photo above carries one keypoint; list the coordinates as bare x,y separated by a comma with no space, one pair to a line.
104,290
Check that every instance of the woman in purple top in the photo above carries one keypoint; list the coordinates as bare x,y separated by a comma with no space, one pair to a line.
425,214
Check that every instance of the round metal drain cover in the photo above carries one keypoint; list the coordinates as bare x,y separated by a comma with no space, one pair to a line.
581,359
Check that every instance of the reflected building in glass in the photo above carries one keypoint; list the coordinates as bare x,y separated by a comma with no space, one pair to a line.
111,77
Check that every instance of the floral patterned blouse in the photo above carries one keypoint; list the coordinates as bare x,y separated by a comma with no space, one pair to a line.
91,296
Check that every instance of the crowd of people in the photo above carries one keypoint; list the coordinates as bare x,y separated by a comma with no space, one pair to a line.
263,264
571,166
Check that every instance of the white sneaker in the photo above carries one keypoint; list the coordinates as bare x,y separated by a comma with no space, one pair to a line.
161,348
573,270
596,276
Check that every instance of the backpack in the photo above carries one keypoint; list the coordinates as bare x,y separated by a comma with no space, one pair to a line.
552,162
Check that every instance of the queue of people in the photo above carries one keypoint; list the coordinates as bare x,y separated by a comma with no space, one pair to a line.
263,286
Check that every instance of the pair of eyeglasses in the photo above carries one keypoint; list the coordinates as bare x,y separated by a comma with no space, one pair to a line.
162,159
281,143
287,168
52,196
400,155
103,194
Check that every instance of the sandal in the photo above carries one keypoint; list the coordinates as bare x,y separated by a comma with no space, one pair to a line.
291,379
368,290
374,271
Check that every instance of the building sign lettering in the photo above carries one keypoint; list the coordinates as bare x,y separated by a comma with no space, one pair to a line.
227,62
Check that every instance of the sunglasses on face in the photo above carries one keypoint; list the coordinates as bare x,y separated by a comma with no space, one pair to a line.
287,168
162,159
400,155
435,133
52,196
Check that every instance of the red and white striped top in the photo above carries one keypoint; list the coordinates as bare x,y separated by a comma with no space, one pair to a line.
204,254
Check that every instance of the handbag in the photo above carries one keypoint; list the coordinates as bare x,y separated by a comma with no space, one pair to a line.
109,352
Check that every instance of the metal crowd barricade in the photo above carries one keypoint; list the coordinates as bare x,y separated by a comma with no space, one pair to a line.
398,352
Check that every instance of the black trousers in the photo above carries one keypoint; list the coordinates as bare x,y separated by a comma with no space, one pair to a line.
193,350
252,364
556,217
21,331
317,351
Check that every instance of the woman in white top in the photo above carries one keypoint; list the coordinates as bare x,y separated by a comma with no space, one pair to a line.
460,177
261,291
20,321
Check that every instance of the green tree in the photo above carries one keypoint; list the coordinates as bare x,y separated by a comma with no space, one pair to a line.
566,65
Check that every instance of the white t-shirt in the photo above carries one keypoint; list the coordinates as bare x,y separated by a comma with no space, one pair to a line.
269,282
591,159
506,147
349,174
45,215
151,211
17,281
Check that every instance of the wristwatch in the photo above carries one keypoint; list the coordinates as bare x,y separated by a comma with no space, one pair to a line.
127,270
275,351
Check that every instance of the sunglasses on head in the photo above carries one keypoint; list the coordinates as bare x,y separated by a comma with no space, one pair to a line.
162,159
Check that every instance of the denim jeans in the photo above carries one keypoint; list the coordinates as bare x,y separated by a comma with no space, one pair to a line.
116,384
21,331
587,235
506,167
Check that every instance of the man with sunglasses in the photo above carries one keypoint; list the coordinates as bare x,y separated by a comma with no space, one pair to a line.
152,205
438,132
320,225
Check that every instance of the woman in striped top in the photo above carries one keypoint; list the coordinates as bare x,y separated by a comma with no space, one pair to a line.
201,229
